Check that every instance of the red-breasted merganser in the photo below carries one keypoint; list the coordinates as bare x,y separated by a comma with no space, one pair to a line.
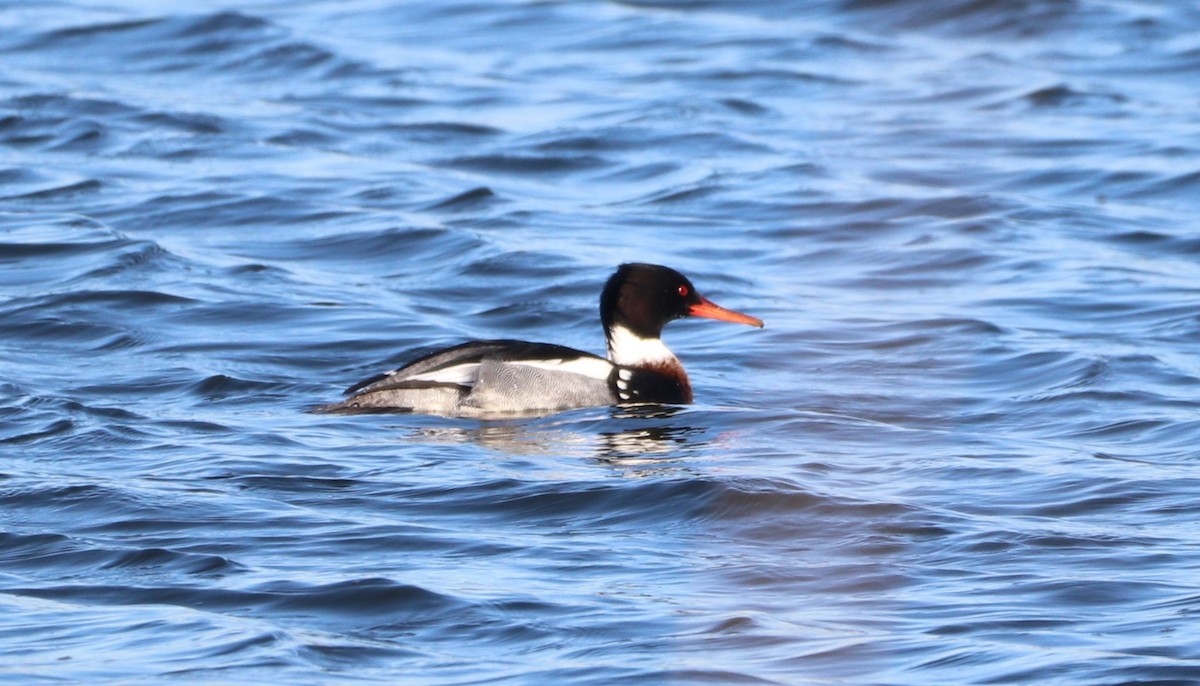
502,377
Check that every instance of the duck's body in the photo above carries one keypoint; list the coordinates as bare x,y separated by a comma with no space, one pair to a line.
503,377
489,377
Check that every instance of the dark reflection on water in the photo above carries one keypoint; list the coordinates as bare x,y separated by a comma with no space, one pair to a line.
962,452
632,435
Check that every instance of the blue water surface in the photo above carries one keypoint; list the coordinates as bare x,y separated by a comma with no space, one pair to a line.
962,451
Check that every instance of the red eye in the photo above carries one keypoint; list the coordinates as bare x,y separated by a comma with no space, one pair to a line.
683,291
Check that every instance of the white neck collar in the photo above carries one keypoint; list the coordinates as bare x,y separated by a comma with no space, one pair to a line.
627,349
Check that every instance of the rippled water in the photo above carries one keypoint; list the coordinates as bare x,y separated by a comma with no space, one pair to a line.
962,451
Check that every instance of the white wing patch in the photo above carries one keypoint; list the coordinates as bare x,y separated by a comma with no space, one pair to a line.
468,373
460,374
592,367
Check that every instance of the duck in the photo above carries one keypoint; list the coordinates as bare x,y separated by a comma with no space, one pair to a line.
499,378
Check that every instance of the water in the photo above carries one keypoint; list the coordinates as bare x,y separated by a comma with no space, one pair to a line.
962,451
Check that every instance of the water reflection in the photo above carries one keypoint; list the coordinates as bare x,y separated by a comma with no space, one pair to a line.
622,435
